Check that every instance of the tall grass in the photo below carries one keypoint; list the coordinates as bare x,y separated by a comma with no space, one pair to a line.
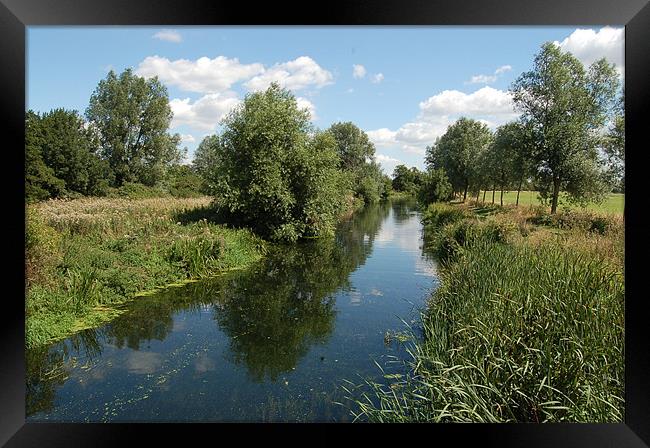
87,256
518,331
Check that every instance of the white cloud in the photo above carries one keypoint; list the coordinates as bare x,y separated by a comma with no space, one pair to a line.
358,71
206,112
387,163
382,137
215,77
488,79
203,75
294,75
491,106
482,79
350,90
589,45
304,103
169,36
486,101
376,79
187,138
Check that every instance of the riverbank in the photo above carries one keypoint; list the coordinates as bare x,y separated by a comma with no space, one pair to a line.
86,257
527,325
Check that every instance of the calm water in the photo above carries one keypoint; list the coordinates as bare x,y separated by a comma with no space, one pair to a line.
272,343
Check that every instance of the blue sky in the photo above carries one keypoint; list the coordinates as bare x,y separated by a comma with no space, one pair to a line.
402,85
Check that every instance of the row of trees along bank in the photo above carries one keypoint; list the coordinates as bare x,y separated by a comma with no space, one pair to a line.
570,137
269,169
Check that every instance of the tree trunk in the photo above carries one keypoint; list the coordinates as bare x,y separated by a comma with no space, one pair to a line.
484,191
501,199
519,190
493,190
556,194
465,194
477,194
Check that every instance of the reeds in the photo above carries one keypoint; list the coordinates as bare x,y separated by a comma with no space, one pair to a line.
520,330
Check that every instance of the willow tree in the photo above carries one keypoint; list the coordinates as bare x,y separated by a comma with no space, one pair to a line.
132,115
459,151
276,175
565,107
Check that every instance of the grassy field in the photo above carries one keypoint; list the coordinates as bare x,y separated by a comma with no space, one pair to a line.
86,257
527,325
613,204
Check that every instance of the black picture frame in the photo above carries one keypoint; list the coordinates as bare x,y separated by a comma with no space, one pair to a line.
16,15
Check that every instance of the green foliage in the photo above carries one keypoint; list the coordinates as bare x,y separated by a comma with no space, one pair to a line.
353,146
275,175
407,179
576,220
357,160
459,151
206,162
74,267
42,248
565,107
61,158
132,116
434,187
516,332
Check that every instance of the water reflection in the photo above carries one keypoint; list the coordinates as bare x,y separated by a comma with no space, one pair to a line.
272,314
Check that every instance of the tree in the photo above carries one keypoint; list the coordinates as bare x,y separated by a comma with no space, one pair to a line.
132,116
206,162
614,148
71,150
565,107
353,145
406,179
275,174
435,187
458,153
40,181
357,159
510,157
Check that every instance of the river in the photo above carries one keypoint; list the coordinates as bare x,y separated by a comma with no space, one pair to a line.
270,343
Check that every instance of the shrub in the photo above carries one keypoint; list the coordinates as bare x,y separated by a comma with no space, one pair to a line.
276,176
434,187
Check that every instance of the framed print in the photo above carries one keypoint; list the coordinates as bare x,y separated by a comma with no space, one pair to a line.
371,213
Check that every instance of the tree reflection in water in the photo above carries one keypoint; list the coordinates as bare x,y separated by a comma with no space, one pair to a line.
272,313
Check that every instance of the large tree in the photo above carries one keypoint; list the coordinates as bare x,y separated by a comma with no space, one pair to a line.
40,180
565,108
132,115
357,160
61,141
275,174
353,145
458,152
406,179
70,148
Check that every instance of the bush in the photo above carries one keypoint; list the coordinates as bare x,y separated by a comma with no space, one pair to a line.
276,176
434,187
575,220
439,214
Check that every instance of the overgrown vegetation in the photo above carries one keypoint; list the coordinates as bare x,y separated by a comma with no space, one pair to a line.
527,325
85,257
